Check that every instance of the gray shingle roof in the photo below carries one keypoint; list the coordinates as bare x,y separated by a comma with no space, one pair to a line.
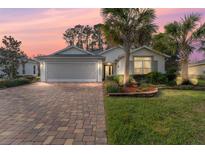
201,61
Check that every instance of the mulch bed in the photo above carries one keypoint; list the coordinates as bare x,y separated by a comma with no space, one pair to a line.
134,90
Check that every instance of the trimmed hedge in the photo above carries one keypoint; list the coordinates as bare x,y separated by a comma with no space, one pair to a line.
14,82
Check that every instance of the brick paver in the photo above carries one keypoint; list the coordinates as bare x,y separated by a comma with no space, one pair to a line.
57,113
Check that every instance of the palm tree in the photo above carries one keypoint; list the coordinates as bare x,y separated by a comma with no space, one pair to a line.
185,33
126,26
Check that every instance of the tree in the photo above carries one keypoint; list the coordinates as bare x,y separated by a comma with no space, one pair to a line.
87,32
86,37
11,56
126,26
162,43
185,33
100,39
79,34
69,36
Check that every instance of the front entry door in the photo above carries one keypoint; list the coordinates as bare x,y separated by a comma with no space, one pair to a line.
108,70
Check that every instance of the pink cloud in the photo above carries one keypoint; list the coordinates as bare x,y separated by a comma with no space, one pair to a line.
41,30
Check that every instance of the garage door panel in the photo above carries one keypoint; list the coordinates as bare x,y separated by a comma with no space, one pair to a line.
72,71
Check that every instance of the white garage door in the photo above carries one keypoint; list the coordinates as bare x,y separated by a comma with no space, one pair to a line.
72,72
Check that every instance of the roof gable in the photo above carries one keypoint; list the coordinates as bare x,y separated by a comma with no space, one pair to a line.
149,49
111,49
73,50
70,52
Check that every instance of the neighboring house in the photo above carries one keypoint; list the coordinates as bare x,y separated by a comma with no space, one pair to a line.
197,69
31,67
1,72
73,64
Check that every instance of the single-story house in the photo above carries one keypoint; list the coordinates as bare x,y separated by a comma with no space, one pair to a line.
197,69
73,64
31,67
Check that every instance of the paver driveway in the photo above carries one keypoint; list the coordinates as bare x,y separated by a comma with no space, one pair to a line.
57,113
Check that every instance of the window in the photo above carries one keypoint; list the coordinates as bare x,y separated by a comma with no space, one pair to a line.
142,65
34,69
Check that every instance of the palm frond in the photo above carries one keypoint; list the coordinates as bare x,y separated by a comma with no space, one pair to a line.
189,22
199,33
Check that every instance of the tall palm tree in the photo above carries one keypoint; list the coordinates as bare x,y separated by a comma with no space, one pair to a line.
185,33
125,26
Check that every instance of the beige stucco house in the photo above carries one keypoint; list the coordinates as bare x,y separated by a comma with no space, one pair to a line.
73,64
31,67
197,69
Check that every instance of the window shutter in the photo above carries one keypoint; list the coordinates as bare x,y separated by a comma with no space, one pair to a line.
154,66
131,67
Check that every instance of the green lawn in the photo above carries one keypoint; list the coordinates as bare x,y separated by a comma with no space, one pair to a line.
201,82
174,117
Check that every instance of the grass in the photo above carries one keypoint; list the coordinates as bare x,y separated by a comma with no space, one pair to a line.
201,82
174,117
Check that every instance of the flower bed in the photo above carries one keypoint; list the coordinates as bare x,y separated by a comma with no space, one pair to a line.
150,93
145,90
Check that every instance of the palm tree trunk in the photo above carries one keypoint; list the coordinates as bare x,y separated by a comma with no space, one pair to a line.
184,70
126,74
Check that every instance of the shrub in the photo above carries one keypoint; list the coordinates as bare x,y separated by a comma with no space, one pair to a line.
139,77
13,83
117,78
29,77
171,83
156,78
110,78
194,81
179,80
171,74
186,82
112,86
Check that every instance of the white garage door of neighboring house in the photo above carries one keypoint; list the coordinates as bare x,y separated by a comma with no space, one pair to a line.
72,71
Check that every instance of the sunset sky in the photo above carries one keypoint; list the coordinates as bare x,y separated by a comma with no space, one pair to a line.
40,30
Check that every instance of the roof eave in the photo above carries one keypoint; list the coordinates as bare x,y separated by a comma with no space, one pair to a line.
119,46
67,48
157,52
196,64
54,57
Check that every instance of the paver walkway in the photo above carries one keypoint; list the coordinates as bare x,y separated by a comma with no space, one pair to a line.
57,113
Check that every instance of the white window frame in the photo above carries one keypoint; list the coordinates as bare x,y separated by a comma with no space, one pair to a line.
143,69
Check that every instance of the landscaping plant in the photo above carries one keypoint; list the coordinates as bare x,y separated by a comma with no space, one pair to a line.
129,27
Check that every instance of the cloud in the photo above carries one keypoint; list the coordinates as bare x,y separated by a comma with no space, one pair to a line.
40,30
47,25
